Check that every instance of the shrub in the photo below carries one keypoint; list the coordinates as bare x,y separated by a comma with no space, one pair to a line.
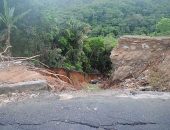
53,58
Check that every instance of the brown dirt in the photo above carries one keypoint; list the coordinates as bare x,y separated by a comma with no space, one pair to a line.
142,61
11,72
78,79
14,74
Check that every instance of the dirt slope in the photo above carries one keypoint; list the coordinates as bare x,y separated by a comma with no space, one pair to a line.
142,61
14,72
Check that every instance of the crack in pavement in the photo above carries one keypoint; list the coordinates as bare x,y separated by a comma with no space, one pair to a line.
127,124
132,124
60,121
105,127
136,123
76,122
1,124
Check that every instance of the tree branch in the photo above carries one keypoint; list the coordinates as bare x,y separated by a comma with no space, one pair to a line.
56,75
26,58
6,49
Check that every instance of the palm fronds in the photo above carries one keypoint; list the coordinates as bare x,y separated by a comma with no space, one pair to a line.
16,18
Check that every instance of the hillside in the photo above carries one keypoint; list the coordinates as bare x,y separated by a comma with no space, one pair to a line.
66,32
142,61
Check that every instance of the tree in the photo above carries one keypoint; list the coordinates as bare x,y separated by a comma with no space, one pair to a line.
97,50
61,24
70,39
163,26
9,20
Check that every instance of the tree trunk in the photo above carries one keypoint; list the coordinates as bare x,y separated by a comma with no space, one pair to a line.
8,41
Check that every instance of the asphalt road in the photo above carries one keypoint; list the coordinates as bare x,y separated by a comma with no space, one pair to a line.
86,113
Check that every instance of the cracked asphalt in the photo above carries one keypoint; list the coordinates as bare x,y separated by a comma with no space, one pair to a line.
101,112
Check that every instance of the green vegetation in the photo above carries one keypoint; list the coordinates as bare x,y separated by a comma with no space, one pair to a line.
97,50
163,26
9,20
78,34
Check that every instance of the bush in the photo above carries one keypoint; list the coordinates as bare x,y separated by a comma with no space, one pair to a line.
98,50
53,58
163,27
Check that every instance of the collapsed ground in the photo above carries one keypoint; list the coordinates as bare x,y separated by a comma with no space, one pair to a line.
138,62
57,79
142,61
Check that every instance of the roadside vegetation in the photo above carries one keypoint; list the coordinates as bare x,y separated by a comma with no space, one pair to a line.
77,35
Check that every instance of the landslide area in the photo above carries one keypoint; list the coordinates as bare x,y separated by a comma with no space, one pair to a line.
16,72
58,79
141,62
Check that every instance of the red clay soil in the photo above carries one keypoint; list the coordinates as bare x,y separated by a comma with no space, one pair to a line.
77,78
14,73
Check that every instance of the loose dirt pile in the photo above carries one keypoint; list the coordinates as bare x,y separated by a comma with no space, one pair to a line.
142,61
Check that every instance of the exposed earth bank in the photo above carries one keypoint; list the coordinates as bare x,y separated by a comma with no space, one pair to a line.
21,76
142,61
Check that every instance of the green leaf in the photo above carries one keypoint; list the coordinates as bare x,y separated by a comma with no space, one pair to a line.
11,12
20,16
6,9
3,19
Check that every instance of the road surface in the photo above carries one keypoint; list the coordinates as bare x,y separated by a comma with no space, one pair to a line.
101,112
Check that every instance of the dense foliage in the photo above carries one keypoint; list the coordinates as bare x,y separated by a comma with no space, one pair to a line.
163,27
79,34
